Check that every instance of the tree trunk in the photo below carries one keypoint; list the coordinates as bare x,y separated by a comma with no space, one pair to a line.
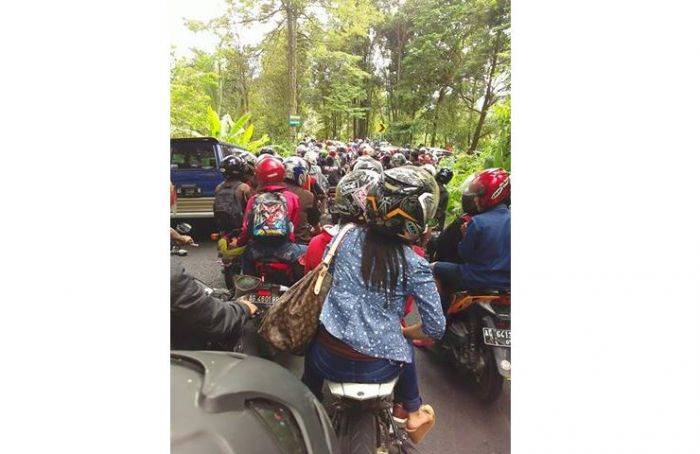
220,91
433,135
292,62
487,98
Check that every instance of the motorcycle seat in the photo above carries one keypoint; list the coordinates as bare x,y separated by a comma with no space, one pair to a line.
362,391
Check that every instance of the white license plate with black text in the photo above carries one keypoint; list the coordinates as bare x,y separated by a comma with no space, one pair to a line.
497,337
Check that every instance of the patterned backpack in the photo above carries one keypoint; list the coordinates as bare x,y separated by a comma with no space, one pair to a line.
270,216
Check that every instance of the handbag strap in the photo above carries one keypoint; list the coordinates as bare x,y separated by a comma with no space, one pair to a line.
328,258
331,252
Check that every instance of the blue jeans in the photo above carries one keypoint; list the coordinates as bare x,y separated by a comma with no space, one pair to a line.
450,277
320,364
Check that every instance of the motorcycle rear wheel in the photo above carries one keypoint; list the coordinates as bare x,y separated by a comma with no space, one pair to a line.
488,384
358,433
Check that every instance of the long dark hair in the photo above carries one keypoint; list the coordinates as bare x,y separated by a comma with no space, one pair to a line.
381,253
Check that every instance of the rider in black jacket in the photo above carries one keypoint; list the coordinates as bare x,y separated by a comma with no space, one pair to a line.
196,318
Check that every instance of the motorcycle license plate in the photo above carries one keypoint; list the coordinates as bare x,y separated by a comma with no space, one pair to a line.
265,301
497,337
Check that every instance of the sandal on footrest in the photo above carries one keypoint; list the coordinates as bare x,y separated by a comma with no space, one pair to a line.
416,435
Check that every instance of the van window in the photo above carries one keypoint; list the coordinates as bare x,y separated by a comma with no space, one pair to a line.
192,155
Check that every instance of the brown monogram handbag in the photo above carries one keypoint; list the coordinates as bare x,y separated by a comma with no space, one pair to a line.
291,323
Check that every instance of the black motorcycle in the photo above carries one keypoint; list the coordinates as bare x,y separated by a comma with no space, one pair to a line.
361,414
477,340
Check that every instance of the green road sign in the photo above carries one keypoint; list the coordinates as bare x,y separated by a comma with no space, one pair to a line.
294,120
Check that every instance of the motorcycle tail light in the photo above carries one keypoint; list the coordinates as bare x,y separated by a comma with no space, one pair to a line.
264,293
502,324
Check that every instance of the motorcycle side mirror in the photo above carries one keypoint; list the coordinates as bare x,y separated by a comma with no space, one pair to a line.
245,283
184,228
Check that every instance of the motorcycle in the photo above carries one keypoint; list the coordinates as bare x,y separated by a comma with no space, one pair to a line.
477,340
361,414
264,295
175,247
229,258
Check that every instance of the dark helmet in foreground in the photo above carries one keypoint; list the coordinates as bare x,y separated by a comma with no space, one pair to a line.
351,193
233,166
223,402
444,175
403,202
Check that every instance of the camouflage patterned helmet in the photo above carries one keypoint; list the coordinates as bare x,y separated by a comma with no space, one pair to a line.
366,162
351,193
403,202
398,160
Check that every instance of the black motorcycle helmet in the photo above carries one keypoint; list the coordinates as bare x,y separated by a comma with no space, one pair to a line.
266,150
222,402
233,166
403,202
444,175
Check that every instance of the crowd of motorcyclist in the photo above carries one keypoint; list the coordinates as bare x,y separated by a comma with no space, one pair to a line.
284,212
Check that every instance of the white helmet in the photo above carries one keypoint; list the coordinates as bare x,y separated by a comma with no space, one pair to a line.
311,157
301,149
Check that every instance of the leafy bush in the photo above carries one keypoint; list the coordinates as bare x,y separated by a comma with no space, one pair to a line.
495,153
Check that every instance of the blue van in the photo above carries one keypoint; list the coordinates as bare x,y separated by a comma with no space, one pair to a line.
194,170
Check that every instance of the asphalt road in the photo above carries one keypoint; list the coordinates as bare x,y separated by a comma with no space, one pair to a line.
463,425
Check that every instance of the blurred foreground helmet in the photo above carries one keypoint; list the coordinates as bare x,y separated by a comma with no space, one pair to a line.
223,402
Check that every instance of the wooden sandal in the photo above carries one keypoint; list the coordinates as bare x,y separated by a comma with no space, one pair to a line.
416,435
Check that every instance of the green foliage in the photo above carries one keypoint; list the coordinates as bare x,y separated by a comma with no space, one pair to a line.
433,72
236,132
496,153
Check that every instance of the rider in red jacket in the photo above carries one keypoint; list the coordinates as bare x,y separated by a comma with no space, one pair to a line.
270,174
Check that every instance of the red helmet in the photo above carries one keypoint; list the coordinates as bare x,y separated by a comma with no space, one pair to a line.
490,187
269,171
425,158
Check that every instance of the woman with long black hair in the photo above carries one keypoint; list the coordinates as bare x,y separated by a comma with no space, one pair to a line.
360,338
